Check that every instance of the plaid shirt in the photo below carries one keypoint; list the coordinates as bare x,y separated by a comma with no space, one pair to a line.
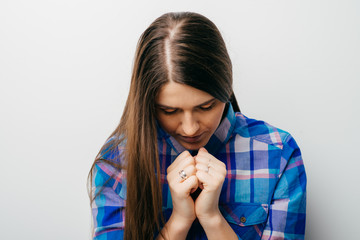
263,195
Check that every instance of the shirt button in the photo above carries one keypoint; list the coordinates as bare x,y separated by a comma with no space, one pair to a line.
243,219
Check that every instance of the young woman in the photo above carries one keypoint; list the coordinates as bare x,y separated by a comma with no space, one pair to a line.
184,163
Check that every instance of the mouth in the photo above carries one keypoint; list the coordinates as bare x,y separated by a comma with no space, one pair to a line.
194,139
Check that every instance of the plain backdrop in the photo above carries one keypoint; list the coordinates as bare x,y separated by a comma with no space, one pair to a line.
65,68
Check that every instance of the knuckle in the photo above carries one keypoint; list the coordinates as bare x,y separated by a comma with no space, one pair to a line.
182,155
192,169
190,160
185,154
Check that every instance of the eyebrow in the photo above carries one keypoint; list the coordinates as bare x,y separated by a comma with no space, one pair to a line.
204,103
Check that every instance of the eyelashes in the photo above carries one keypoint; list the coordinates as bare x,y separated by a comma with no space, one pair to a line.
208,107
168,111
175,110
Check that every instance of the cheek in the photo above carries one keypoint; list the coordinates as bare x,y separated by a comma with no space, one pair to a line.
212,123
167,123
213,120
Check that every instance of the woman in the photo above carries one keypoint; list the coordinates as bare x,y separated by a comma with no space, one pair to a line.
184,163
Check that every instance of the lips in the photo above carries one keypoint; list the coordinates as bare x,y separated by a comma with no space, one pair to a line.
194,139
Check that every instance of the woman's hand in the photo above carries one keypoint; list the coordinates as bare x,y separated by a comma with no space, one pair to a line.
211,174
208,173
183,213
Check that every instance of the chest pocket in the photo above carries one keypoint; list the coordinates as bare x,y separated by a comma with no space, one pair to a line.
247,219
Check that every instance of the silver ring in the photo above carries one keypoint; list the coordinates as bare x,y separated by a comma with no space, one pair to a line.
183,175
208,168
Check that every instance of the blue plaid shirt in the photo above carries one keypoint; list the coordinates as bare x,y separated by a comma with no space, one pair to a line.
263,195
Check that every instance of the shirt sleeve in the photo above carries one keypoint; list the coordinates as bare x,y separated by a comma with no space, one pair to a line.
287,211
108,207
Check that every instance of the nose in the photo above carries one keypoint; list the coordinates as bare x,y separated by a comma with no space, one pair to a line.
190,125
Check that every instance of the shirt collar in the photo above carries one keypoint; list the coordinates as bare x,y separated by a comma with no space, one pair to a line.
217,140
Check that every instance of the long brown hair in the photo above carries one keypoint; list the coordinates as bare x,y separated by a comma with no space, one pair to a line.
186,48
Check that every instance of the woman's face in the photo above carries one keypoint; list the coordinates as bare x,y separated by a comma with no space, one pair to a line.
189,115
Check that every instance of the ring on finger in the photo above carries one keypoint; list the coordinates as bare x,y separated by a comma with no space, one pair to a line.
208,167
183,175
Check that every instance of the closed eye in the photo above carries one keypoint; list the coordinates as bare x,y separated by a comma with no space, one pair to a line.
168,111
207,107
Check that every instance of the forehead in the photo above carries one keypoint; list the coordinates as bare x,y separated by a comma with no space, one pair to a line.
178,95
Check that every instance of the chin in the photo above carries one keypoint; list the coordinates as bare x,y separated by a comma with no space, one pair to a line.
193,146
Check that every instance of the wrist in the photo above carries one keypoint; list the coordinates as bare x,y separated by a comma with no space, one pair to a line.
177,227
211,220
181,222
217,227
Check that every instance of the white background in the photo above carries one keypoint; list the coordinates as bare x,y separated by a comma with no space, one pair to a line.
65,69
